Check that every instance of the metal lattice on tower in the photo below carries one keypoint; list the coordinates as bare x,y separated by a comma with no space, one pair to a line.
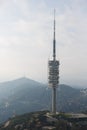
53,77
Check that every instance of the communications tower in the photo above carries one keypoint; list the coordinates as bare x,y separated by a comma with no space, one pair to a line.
53,72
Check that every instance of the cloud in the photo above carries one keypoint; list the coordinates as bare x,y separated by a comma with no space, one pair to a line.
26,35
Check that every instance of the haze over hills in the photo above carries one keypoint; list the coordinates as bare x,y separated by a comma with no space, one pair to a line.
25,95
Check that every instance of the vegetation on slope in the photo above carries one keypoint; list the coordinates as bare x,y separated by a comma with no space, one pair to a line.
42,120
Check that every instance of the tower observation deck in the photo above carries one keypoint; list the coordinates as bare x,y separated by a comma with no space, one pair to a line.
53,73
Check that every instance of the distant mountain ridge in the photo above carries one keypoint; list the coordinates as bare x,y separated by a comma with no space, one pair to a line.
19,81
25,95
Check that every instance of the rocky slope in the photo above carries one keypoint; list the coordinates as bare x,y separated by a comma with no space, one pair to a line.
42,120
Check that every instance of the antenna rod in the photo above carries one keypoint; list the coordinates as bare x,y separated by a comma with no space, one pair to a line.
54,40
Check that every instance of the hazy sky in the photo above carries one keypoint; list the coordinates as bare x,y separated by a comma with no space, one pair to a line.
26,36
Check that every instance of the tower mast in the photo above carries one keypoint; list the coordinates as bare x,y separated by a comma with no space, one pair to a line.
53,72
54,41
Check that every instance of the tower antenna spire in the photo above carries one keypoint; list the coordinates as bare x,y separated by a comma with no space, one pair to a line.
54,39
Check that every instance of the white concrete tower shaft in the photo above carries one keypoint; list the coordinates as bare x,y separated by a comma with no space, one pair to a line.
54,58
